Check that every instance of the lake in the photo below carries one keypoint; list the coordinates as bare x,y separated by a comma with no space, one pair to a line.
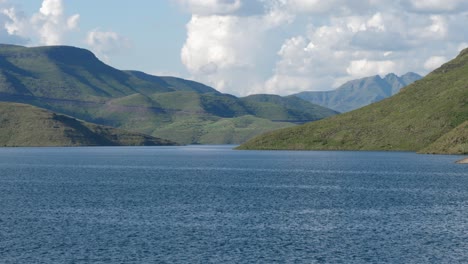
212,204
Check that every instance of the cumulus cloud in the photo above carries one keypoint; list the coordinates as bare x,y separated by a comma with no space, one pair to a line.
329,55
49,25
219,42
358,46
14,24
104,43
223,49
329,42
438,29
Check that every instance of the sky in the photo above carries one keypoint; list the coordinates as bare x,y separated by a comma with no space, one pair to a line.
246,47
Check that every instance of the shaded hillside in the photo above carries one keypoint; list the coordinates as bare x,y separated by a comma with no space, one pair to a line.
26,125
172,83
358,93
74,82
413,119
64,72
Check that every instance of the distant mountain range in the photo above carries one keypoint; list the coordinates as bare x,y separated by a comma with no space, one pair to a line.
429,116
358,93
74,82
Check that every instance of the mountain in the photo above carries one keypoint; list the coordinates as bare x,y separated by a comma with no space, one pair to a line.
358,93
63,72
429,116
26,125
74,82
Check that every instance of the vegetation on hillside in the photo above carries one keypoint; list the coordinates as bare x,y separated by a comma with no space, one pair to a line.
454,142
289,108
26,125
412,120
74,82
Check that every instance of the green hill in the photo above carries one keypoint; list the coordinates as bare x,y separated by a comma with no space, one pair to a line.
454,142
358,93
289,108
74,82
26,125
63,72
416,117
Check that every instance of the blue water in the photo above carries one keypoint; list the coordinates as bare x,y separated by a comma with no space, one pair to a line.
211,204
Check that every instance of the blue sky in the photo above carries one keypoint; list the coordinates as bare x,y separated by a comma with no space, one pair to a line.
151,33
249,46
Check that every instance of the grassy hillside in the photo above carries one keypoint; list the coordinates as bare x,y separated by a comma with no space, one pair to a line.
412,120
74,82
218,131
358,93
63,72
454,142
289,108
26,125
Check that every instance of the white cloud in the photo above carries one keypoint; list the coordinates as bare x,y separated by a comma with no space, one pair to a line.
52,8
312,6
216,42
324,57
364,67
438,29
376,22
9,31
285,84
15,22
72,22
104,43
336,7
438,6
209,7
340,40
434,62
223,49
49,25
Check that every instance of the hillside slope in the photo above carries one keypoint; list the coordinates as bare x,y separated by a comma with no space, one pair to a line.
285,108
26,125
411,120
74,82
63,72
454,142
358,93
